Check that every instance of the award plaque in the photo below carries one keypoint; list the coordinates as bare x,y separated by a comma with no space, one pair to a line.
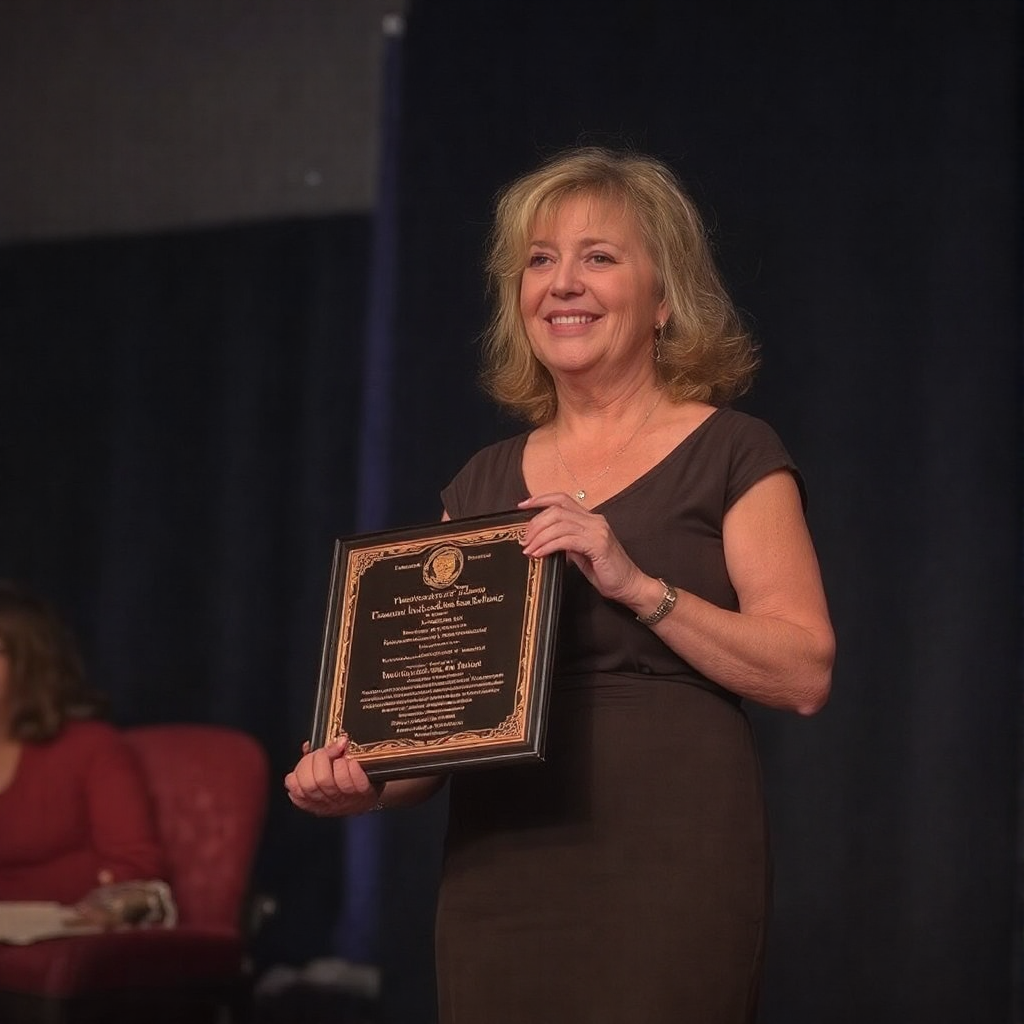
438,647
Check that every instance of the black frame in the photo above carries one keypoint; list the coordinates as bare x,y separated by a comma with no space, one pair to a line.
473,582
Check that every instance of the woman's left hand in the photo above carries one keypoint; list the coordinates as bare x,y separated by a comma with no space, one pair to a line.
562,524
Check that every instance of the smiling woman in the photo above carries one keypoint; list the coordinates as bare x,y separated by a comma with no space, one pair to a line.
627,877
705,352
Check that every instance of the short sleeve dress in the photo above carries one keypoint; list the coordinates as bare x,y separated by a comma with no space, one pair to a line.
627,876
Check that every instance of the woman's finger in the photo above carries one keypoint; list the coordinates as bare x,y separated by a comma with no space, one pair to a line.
552,498
314,767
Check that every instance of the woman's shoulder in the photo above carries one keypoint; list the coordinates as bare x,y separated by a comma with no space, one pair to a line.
497,458
489,481
501,451
703,434
91,734
749,448
80,745
732,422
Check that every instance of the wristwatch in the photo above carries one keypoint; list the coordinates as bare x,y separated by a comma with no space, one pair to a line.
668,602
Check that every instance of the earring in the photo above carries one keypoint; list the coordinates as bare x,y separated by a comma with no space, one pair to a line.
659,333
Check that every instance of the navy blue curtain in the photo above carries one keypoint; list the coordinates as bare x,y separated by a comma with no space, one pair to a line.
357,931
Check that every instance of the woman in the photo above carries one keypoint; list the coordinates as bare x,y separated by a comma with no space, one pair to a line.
627,877
76,825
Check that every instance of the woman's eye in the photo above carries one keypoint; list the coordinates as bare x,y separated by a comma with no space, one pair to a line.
600,257
537,259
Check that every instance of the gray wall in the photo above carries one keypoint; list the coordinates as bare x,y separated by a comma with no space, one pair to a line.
125,116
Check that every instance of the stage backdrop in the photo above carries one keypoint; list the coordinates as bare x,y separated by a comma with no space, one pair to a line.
183,400
860,166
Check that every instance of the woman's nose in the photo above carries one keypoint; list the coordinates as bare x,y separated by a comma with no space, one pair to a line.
566,279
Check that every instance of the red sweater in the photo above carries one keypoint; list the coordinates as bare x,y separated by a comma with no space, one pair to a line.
76,806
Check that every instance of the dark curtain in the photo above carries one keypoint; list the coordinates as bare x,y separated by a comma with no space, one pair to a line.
179,418
860,166
176,437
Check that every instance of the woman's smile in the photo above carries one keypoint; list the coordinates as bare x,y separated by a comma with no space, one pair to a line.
572,319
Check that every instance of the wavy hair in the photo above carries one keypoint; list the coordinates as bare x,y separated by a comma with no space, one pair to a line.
46,683
706,352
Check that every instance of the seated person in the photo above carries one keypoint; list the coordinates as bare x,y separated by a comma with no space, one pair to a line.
76,823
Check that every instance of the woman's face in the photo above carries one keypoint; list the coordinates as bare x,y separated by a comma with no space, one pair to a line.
589,294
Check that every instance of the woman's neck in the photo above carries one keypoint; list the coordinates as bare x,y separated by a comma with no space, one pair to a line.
587,405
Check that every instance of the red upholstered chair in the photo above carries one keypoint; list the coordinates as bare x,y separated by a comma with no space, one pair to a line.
210,787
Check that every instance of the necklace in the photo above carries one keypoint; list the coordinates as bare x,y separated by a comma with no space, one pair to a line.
581,494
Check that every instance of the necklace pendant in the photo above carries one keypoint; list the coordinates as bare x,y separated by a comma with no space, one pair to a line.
580,495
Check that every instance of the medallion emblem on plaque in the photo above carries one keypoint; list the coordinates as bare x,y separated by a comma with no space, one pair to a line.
442,567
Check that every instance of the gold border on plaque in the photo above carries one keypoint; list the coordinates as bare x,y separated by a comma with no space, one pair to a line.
521,732
514,725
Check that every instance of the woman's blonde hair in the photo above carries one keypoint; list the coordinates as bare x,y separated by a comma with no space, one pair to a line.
706,353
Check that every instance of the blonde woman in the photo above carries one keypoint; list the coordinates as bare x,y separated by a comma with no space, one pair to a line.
627,878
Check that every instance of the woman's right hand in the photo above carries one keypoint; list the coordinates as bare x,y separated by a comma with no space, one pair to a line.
330,782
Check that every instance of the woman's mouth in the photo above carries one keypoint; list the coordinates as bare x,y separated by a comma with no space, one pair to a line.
571,319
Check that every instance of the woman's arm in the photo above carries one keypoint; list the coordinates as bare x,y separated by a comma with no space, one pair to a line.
778,649
122,819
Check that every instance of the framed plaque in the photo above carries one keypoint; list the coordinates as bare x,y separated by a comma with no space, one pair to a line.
438,647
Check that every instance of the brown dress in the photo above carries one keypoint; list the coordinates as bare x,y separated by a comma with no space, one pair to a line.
627,877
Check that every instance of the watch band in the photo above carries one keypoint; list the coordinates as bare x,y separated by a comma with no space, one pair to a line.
668,602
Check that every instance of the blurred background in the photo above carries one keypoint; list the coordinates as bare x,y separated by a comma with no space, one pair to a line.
240,291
